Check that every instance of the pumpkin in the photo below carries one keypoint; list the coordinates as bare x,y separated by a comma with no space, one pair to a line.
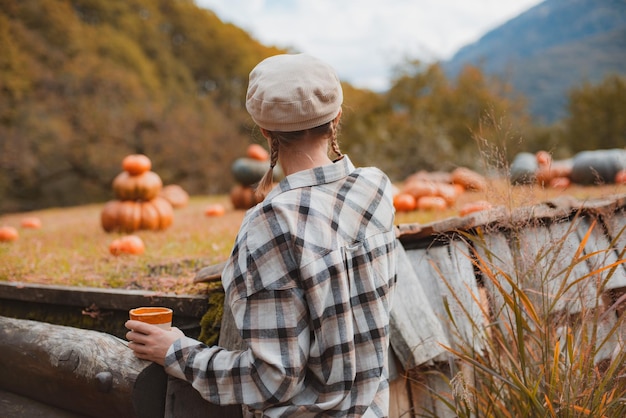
176,195
145,186
257,152
419,188
129,244
475,206
150,216
8,234
136,164
469,179
448,192
165,210
404,202
620,177
597,166
431,203
560,182
31,222
243,197
555,169
543,158
459,189
129,216
215,210
523,168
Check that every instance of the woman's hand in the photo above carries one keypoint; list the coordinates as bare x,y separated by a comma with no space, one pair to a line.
150,342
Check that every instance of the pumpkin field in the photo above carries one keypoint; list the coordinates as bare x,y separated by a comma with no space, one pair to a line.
71,246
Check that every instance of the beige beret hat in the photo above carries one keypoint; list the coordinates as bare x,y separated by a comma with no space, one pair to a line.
293,92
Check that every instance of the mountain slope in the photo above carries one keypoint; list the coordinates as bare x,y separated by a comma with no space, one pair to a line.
551,48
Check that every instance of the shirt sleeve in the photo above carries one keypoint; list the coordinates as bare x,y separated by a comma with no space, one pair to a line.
270,371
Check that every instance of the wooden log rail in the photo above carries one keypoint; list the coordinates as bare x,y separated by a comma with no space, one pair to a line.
89,373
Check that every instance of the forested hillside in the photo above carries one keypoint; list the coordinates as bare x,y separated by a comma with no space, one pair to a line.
551,48
84,83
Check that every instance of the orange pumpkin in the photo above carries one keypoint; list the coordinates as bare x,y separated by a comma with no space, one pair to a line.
560,182
8,234
215,210
448,192
176,195
129,244
404,202
145,186
150,216
243,197
475,206
136,164
257,152
165,210
419,188
620,177
469,179
129,216
431,203
31,222
543,158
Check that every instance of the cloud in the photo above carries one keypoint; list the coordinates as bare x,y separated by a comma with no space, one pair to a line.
365,39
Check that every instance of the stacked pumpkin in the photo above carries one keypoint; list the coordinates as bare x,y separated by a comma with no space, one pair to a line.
247,172
138,203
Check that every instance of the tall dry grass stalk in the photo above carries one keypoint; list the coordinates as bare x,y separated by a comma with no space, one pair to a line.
551,343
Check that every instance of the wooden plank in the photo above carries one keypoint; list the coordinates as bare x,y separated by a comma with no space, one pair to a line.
416,330
428,279
601,254
115,299
541,265
568,272
453,275
616,228
496,257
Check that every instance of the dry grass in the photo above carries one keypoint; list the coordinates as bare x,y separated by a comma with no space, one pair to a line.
72,249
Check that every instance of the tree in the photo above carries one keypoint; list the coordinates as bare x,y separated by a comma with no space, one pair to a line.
597,115
439,124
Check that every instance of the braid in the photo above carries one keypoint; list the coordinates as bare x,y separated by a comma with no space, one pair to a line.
265,184
333,140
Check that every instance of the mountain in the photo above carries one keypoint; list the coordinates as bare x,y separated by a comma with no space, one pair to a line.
550,49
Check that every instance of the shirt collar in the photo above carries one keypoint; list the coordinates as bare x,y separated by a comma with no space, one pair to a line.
315,176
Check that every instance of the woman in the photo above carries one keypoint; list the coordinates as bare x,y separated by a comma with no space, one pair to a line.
311,274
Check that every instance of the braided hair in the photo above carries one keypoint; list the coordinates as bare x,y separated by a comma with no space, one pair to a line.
276,138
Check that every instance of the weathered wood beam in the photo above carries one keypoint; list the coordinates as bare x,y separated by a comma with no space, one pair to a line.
90,373
112,299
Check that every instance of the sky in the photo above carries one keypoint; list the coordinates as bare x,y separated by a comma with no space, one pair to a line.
364,39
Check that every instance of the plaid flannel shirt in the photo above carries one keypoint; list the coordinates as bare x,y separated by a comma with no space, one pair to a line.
309,282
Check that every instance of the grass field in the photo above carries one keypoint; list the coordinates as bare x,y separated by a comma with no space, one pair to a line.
71,248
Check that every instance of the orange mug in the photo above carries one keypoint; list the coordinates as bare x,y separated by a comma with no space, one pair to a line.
159,316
